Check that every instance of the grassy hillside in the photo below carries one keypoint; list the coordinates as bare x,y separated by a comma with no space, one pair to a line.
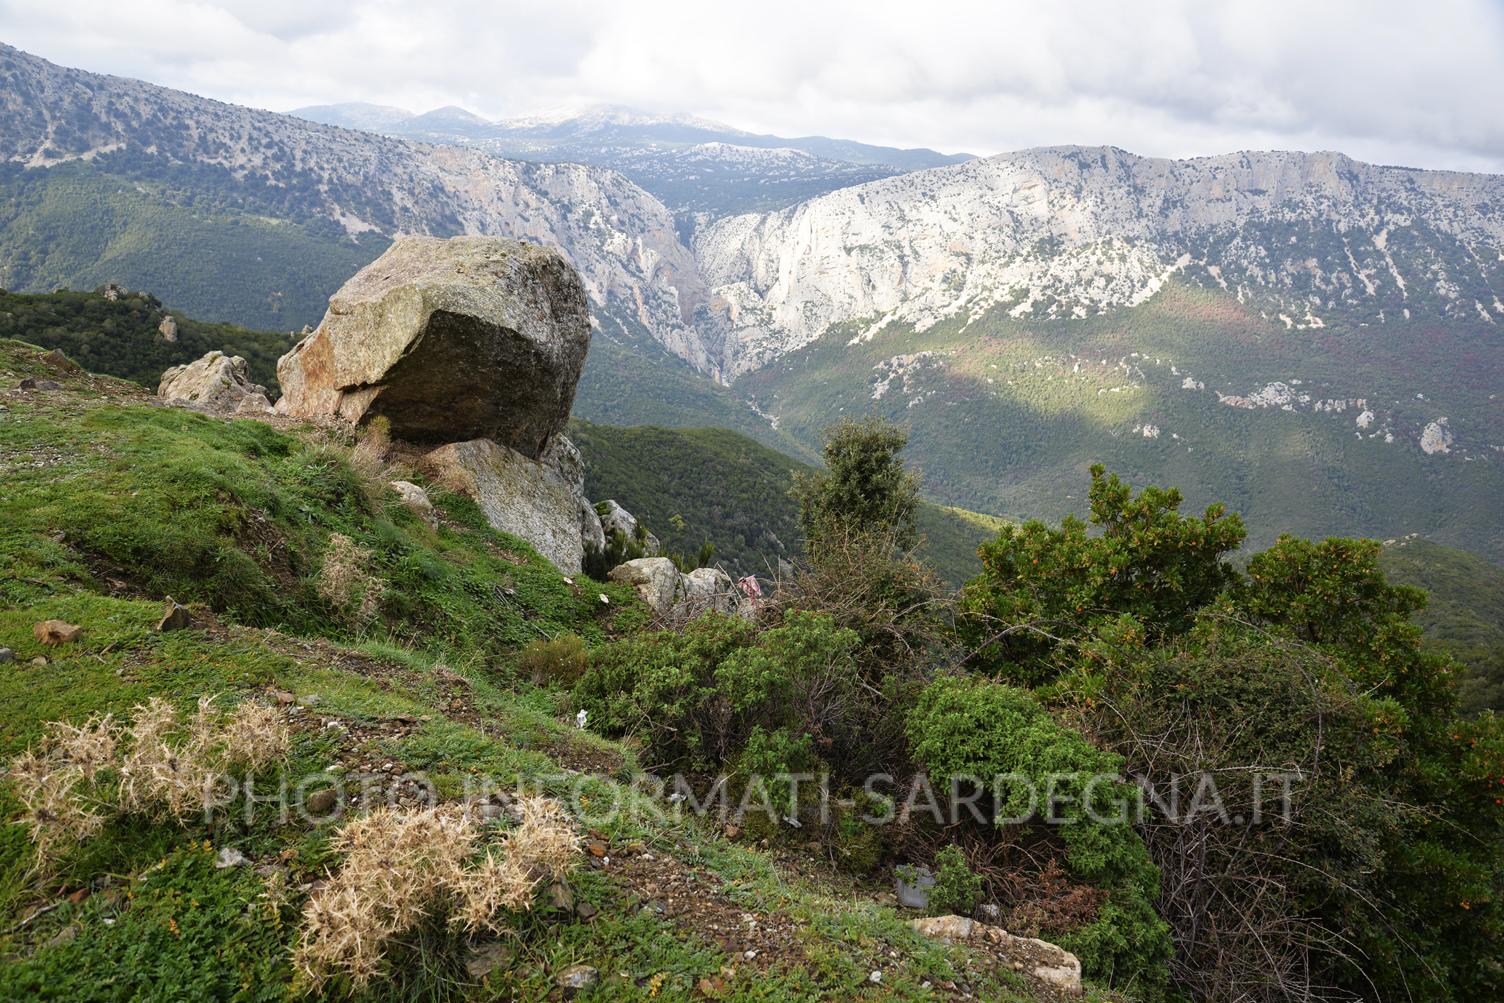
1006,415
122,338
385,647
693,485
76,226
1465,614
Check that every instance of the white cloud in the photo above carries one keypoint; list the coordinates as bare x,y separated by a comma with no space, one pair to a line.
1388,81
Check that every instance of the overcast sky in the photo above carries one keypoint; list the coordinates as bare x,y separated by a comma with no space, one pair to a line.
1418,83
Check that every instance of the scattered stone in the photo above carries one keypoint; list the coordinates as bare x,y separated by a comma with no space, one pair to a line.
217,383
487,957
560,896
228,857
586,911
283,697
912,885
39,660
54,632
680,597
321,802
7,656
175,617
875,978
32,383
415,498
596,848
168,329
578,979
465,338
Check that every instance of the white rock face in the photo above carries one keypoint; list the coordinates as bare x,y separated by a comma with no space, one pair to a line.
1071,231
1436,437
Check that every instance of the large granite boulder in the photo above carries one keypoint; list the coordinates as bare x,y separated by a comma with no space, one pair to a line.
452,340
218,383
535,499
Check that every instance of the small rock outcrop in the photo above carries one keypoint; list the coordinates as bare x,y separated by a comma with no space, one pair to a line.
540,501
679,597
218,383
1055,967
168,329
452,340
658,582
615,519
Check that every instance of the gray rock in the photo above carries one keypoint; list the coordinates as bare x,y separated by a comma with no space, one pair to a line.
912,885
1055,967
229,857
458,339
168,329
657,581
489,956
531,499
563,456
217,383
414,498
175,617
577,979
6,656
710,590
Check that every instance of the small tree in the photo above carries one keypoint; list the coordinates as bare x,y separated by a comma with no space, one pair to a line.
864,488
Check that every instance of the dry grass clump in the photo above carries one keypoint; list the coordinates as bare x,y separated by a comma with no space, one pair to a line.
167,775
403,867
346,583
158,766
370,452
255,735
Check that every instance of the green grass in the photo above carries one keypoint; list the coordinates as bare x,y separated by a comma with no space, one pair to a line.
111,502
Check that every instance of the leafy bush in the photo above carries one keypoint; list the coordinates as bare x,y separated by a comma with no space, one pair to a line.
864,488
696,696
957,889
971,728
1041,585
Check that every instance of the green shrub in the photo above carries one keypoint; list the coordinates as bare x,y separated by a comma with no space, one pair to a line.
771,758
696,695
967,727
957,889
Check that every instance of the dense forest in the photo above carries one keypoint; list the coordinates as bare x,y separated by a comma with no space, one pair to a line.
121,334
